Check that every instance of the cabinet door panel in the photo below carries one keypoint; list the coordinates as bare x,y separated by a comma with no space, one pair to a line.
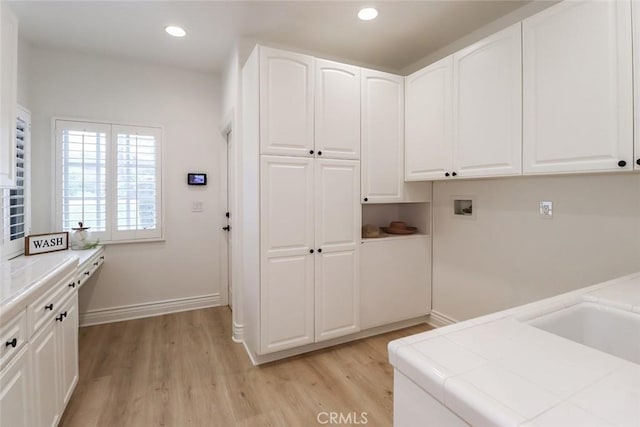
337,111
15,392
337,298
45,376
338,211
396,280
487,105
286,103
286,315
287,205
428,143
382,137
68,344
577,88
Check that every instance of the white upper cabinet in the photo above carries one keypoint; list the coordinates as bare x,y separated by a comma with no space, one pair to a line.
8,95
337,268
428,143
337,110
382,137
577,88
636,86
286,103
487,105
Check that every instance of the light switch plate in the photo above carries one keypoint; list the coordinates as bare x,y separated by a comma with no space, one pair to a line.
546,209
196,207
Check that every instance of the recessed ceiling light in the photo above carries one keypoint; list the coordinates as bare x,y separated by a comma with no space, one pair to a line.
367,13
175,31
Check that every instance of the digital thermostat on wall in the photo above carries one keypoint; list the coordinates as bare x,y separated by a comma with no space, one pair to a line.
197,178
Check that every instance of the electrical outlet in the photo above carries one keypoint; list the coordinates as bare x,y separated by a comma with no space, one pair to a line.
546,209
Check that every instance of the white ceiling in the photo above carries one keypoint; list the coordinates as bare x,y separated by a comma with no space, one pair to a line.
404,31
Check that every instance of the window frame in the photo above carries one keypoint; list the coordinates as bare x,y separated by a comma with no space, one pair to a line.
111,235
14,248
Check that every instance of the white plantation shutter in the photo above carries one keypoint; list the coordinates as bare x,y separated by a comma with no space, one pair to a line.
83,179
137,182
109,177
15,204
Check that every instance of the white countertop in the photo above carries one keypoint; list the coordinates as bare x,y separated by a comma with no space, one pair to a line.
23,279
497,370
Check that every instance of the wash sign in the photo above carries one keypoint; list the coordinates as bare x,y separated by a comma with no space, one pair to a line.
42,243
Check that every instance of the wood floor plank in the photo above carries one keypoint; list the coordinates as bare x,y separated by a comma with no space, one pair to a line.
183,369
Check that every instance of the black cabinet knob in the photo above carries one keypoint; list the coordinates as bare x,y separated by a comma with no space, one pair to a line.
454,174
366,199
63,314
86,273
310,251
319,250
622,163
310,151
638,162
446,174
226,228
95,264
13,343
48,307
72,284
319,153
102,257
59,319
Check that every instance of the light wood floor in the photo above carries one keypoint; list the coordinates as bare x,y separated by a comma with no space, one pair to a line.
183,370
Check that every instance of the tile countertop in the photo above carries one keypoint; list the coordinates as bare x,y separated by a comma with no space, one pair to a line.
23,279
497,370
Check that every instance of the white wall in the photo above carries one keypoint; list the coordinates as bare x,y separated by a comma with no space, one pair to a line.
186,103
24,55
509,255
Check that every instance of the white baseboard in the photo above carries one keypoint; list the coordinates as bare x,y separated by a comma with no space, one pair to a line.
438,320
138,311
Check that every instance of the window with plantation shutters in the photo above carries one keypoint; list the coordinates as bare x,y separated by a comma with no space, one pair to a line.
109,178
15,203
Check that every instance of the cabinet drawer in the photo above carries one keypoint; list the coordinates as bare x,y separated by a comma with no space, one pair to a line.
87,269
44,308
13,336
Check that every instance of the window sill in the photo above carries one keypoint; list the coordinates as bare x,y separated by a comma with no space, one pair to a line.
122,242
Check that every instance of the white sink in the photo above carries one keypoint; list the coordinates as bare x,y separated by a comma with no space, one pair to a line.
604,328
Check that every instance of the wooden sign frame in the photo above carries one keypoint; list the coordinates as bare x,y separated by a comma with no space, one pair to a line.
43,243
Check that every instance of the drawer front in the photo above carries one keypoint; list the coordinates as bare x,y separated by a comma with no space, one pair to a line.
87,269
44,308
13,336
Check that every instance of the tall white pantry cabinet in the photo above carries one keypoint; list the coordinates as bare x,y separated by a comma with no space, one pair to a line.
301,200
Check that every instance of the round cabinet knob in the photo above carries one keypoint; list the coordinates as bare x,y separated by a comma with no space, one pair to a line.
319,250
319,153
638,162
310,251
446,174
72,285
622,163
454,174
310,151
366,199
13,343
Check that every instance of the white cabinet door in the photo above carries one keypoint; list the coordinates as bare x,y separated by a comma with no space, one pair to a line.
45,376
382,137
396,278
286,103
577,88
8,95
337,110
428,137
287,237
338,224
487,105
16,394
67,335
636,87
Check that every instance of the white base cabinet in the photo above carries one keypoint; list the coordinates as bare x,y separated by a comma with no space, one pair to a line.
44,347
15,391
396,279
